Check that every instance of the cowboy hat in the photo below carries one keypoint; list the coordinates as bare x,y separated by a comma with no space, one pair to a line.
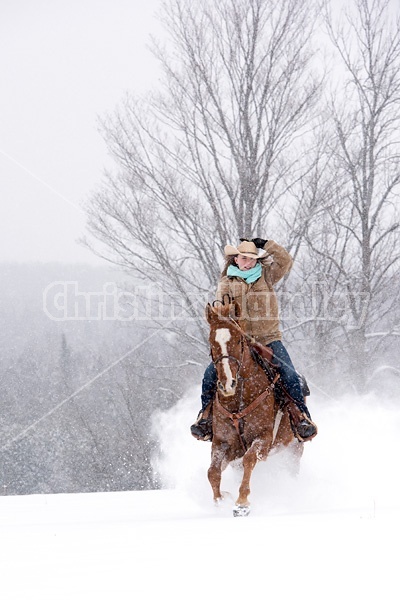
245,249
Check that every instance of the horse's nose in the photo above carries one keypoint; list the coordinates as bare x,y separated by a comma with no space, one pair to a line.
229,388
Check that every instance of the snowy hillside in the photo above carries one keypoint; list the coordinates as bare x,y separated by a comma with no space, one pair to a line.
330,533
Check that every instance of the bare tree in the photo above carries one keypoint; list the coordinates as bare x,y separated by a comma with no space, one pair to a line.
358,244
310,311
210,157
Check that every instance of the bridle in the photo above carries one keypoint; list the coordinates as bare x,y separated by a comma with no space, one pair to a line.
239,361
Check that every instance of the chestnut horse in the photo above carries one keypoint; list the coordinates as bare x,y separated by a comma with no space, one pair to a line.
247,421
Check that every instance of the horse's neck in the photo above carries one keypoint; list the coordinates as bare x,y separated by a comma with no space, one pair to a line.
250,367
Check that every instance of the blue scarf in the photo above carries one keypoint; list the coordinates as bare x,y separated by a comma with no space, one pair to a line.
249,276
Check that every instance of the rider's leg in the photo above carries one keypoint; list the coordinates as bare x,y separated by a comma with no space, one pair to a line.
291,382
202,428
208,385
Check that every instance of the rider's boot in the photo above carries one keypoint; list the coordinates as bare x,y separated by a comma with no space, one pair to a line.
303,427
202,428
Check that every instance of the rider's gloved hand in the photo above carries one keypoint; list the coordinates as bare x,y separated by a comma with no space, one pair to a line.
259,242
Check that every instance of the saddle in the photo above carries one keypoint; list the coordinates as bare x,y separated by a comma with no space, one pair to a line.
264,357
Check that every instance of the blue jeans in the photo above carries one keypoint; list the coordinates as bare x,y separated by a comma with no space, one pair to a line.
288,373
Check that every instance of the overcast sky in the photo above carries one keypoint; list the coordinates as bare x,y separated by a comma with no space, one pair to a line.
62,64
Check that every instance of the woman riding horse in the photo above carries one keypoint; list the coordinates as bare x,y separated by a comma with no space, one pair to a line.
250,273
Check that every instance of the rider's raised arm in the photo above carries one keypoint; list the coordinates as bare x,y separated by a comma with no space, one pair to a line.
277,263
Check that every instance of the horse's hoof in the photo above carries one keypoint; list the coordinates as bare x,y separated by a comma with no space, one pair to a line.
241,511
224,496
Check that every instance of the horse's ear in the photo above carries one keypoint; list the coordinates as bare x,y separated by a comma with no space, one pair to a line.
235,310
226,300
209,312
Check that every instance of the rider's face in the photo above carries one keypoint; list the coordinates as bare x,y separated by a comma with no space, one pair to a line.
245,262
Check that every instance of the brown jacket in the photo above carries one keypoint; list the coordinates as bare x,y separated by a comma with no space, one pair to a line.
258,303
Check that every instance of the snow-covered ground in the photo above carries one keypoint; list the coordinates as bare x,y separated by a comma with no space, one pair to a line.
332,532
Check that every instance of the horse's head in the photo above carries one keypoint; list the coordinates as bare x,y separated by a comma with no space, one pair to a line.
226,344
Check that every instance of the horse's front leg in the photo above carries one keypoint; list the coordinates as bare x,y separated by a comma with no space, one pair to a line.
218,456
257,451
